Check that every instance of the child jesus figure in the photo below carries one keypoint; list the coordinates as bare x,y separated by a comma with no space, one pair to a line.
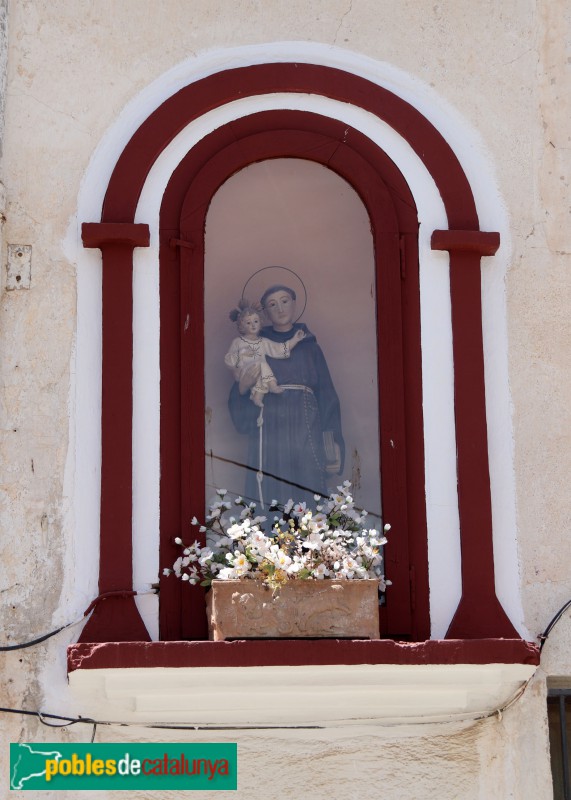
250,348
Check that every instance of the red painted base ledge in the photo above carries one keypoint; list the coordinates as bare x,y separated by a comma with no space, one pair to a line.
297,652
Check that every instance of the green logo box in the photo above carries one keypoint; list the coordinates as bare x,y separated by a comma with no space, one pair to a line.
181,766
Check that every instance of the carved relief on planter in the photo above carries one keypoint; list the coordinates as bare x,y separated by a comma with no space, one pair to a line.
248,609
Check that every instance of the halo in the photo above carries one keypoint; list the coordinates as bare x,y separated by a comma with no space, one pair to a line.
259,284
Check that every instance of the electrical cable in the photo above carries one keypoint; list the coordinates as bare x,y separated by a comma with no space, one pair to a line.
43,716
88,610
543,636
95,722
301,486
22,645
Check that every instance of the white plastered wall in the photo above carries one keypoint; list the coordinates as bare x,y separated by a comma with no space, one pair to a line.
444,551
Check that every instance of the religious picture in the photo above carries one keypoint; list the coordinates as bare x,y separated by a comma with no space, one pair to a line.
284,401
290,339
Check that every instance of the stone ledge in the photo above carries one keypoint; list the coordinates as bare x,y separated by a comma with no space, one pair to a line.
320,683
416,683
298,652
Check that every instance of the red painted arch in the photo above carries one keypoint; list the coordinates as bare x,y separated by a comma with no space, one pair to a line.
198,98
479,613
394,224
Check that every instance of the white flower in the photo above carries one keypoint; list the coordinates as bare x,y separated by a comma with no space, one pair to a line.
345,550
227,574
239,530
320,571
318,523
386,527
194,575
241,563
349,567
259,541
313,542
205,556
277,556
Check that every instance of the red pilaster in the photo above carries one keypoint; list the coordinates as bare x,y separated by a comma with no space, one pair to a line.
116,618
479,613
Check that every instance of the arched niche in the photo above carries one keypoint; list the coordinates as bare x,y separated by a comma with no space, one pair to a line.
394,225
479,613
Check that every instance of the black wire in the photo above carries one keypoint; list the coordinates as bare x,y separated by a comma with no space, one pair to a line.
5,648
42,717
301,486
543,636
131,592
89,721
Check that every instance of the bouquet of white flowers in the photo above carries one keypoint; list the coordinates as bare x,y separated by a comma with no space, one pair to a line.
331,541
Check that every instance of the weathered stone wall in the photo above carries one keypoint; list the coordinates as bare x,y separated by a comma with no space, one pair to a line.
72,69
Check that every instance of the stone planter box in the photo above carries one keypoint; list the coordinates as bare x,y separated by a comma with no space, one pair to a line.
247,609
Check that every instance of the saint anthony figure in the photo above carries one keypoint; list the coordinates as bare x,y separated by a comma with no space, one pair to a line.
299,440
